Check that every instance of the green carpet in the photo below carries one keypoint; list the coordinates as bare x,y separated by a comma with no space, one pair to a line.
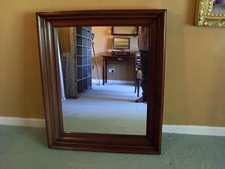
25,148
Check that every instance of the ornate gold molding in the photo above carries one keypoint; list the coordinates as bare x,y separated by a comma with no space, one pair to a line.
205,15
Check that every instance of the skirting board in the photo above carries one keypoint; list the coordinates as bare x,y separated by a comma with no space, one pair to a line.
177,129
26,122
194,130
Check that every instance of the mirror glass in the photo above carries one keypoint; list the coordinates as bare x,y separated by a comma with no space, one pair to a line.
219,6
103,79
121,43
124,30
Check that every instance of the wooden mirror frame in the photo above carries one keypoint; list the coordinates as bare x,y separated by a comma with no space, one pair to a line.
148,144
204,15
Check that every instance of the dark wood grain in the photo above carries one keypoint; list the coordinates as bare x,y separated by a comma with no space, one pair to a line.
155,19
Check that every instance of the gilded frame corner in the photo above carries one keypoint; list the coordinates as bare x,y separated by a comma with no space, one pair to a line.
206,17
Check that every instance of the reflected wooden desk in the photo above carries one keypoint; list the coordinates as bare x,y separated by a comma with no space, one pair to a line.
107,59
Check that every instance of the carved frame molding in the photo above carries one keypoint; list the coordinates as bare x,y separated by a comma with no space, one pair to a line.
205,15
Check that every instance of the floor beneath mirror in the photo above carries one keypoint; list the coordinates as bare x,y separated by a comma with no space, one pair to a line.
26,148
107,109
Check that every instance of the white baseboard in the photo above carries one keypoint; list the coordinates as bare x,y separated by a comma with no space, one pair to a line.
194,130
113,81
26,122
176,129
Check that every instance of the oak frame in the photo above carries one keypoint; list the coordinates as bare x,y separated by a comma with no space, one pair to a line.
149,144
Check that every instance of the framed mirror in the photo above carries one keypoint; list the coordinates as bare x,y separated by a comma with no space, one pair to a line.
125,30
97,98
210,13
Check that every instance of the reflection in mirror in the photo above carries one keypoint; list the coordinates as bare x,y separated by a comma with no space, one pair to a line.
103,86
219,6
124,30
121,43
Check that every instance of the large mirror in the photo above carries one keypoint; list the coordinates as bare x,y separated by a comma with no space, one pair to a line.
103,91
90,106
210,13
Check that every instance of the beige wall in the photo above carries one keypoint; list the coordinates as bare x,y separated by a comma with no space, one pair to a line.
64,39
102,43
195,80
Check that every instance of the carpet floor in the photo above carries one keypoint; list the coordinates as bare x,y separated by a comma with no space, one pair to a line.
106,109
25,148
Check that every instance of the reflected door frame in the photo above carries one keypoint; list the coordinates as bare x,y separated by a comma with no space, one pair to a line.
148,144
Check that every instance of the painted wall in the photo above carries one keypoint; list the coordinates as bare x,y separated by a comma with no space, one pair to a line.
195,66
64,39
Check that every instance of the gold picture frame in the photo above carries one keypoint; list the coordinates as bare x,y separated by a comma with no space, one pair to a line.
208,14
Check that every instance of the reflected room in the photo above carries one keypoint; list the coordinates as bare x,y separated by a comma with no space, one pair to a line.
103,78
219,6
